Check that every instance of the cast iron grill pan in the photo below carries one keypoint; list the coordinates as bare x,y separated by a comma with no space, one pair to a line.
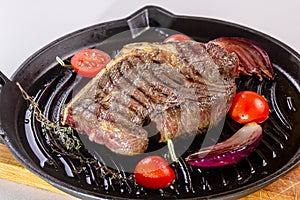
53,86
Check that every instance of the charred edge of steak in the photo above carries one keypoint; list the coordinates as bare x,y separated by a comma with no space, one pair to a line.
224,60
170,82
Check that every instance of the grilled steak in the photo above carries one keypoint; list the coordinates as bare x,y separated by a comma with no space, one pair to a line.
184,87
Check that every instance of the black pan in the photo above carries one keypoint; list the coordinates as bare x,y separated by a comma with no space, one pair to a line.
52,86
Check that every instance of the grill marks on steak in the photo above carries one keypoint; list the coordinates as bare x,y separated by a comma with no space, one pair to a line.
183,87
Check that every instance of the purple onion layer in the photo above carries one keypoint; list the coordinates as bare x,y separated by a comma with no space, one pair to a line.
230,151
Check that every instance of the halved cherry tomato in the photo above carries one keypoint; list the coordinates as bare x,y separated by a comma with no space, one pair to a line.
154,172
89,62
248,106
176,38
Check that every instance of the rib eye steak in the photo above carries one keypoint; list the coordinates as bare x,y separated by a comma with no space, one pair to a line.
183,87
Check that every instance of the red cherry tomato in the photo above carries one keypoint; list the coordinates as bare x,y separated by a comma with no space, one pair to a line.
176,38
154,172
89,62
248,106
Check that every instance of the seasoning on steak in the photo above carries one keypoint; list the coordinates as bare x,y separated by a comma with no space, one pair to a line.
184,87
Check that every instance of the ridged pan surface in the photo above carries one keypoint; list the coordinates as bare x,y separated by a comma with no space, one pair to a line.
52,86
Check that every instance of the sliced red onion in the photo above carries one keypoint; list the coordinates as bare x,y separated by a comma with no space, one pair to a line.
230,151
253,59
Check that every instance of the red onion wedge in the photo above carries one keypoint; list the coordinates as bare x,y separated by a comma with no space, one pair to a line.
230,151
253,59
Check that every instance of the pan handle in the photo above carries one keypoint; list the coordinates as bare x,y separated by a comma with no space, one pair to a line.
3,80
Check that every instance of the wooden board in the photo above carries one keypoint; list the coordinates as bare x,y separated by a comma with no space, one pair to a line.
285,188
12,170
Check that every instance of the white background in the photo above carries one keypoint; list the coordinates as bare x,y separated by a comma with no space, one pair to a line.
26,26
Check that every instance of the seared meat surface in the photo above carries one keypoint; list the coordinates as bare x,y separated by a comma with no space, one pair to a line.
184,87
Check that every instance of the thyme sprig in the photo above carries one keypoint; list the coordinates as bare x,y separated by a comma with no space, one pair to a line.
62,63
171,150
68,139
66,133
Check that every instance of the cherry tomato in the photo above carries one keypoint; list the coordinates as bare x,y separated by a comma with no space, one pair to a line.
154,172
89,62
176,38
248,106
